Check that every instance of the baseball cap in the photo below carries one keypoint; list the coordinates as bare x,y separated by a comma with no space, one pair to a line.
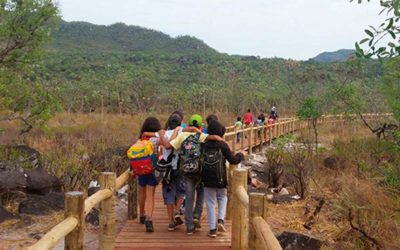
197,118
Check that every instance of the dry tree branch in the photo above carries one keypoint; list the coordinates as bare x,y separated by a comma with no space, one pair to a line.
362,231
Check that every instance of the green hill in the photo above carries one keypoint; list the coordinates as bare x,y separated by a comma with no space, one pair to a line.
336,56
119,37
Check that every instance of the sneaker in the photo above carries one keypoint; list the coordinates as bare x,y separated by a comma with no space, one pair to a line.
149,226
221,226
178,220
212,233
142,219
196,222
190,231
171,227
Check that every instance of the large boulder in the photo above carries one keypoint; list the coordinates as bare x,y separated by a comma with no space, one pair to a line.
19,157
42,204
297,241
21,169
12,179
41,182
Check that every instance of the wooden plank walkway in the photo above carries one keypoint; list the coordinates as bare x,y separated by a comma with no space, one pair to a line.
133,235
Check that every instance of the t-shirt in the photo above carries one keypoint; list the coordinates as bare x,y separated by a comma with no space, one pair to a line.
183,125
167,152
248,118
239,124
205,130
177,142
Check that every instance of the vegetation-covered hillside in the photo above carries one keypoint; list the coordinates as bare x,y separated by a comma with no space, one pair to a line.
129,69
90,38
336,56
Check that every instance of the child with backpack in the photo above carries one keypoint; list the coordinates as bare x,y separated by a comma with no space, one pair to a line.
214,176
143,155
172,194
188,146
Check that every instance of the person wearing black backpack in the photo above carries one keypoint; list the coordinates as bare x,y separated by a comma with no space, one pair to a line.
214,176
188,146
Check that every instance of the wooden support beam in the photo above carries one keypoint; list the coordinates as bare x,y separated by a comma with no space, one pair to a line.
231,193
107,213
132,197
74,207
270,134
265,234
256,202
240,230
249,137
234,141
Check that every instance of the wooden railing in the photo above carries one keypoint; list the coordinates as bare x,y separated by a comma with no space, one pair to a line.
76,208
249,228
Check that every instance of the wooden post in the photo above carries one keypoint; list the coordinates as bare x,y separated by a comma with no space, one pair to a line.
74,207
229,211
270,135
256,208
256,130
132,197
249,137
240,230
107,213
242,141
234,141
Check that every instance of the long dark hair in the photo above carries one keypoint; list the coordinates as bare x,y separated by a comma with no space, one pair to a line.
151,124
174,121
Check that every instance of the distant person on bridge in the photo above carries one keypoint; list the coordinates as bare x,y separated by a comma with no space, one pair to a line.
248,118
238,126
274,113
214,176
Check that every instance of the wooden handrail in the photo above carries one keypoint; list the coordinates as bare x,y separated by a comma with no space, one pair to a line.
265,234
50,239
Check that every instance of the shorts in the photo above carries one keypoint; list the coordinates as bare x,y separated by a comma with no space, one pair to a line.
169,193
147,180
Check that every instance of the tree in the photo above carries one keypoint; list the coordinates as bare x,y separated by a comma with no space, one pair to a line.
389,30
309,110
24,27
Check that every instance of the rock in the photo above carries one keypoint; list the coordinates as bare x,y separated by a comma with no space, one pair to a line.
283,191
93,217
331,162
41,182
12,179
296,241
19,157
42,204
279,199
92,190
5,215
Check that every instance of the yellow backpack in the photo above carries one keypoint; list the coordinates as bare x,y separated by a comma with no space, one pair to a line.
141,149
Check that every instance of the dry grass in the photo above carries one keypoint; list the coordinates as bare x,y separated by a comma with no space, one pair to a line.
359,183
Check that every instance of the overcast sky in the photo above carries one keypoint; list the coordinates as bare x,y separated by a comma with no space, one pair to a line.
297,29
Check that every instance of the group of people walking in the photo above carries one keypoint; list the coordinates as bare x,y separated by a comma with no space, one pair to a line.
189,161
249,120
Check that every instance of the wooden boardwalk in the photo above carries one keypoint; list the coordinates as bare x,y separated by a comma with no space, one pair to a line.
133,235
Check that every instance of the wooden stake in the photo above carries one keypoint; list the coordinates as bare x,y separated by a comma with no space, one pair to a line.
270,134
240,230
132,198
249,137
74,207
229,211
107,213
234,141
256,203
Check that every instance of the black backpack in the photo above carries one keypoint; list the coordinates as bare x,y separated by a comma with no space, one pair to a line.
189,156
213,168
164,168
